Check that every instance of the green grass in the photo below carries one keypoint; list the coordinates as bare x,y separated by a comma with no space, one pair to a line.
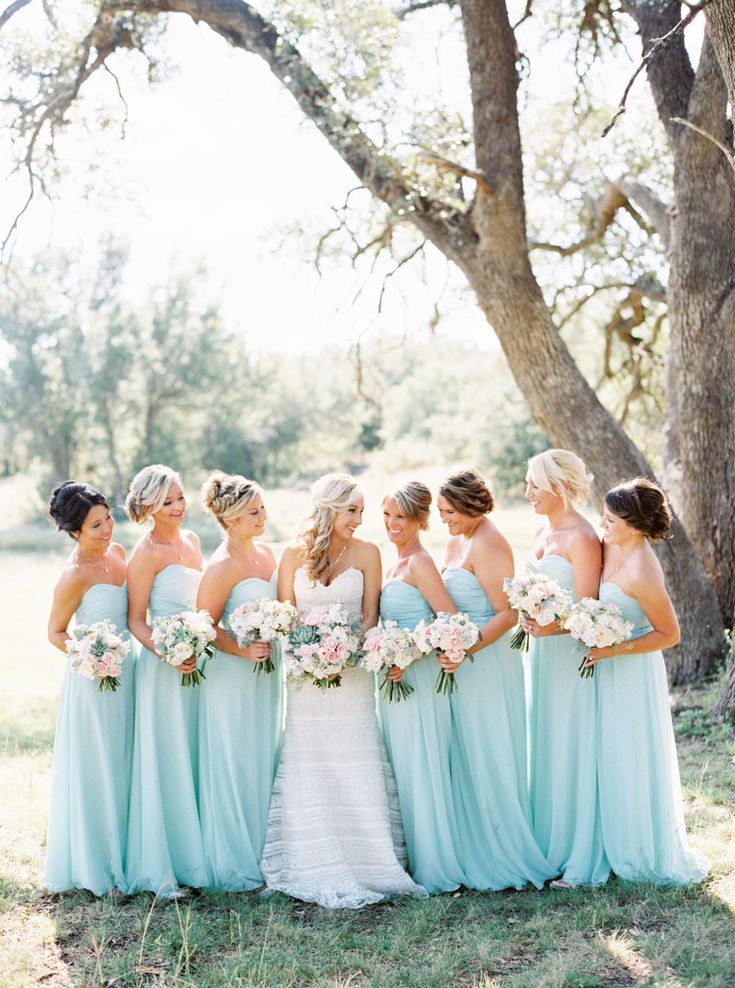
616,936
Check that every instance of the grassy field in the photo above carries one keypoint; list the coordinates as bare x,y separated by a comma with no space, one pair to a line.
616,936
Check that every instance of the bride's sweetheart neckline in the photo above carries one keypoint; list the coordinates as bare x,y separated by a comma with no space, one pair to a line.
327,586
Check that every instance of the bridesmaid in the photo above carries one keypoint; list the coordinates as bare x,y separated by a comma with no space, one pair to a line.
562,713
495,842
640,793
94,731
165,848
239,711
417,730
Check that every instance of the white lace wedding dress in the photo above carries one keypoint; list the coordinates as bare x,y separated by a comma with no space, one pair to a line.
334,829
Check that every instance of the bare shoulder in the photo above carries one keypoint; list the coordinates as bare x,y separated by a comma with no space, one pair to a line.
644,573
71,582
191,537
488,538
145,556
266,551
422,564
582,538
366,553
292,556
118,550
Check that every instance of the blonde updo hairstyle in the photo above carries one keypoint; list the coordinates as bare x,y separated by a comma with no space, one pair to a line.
414,501
148,491
330,494
562,473
227,496
468,492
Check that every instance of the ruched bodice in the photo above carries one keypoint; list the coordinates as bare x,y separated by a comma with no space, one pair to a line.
250,589
557,567
346,588
632,611
468,595
174,589
104,601
404,603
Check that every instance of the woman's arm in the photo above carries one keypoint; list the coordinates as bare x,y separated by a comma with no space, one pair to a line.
215,587
492,563
67,596
427,579
372,573
290,561
142,570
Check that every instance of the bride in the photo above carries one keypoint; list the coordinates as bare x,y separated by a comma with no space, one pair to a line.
334,830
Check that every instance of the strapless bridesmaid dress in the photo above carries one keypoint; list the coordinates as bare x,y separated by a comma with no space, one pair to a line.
240,714
90,779
165,847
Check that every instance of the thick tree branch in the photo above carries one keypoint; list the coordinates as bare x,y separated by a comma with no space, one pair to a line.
451,166
12,9
656,211
242,26
703,133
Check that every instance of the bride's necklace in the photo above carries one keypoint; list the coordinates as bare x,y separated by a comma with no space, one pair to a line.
331,563
178,546
91,559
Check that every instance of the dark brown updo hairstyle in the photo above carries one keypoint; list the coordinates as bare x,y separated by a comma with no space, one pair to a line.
643,505
468,492
414,501
70,504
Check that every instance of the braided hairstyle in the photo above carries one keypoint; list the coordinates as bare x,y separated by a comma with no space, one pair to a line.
226,496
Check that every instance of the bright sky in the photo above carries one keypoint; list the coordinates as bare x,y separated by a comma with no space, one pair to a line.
217,164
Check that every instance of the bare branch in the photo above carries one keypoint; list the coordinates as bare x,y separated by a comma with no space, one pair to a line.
49,12
658,45
124,125
526,14
703,133
647,200
612,201
451,166
12,9
419,5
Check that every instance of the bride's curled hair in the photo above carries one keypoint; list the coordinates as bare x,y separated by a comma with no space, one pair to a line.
330,494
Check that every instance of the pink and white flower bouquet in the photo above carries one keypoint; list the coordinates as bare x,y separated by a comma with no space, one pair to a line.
597,625
183,636
322,645
452,634
97,652
537,597
389,645
264,620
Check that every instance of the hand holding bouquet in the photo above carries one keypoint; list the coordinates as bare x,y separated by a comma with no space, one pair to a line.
538,598
597,625
324,644
97,652
183,636
387,646
262,621
452,634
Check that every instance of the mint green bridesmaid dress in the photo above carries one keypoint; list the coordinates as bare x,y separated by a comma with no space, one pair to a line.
240,723
565,805
640,792
495,841
165,847
417,733
90,778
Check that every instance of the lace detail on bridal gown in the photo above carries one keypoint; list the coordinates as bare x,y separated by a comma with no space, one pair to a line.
334,829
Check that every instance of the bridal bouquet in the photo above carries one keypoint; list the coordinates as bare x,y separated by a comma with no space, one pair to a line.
261,621
451,634
538,597
324,644
596,625
182,636
97,652
386,646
